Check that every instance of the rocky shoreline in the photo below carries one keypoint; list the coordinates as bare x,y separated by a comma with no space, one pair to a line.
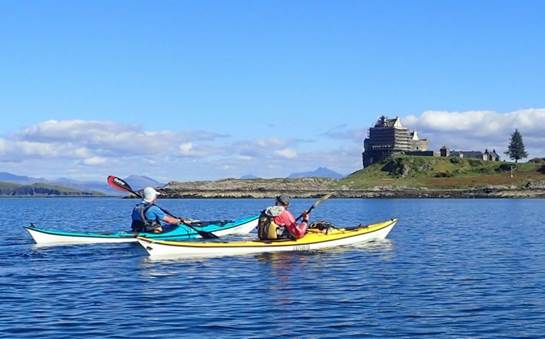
316,187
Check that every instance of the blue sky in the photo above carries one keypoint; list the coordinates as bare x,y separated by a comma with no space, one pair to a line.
259,87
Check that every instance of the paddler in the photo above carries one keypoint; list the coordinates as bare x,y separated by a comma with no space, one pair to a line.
146,217
278,222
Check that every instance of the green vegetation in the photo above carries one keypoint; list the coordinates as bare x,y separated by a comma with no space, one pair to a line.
516,150
441,172
10,189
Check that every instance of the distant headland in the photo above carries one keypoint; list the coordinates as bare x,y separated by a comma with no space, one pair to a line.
403,176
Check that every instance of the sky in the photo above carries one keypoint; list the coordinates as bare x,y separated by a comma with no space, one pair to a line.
193,90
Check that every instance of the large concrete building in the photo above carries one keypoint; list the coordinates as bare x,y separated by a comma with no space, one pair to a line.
389,137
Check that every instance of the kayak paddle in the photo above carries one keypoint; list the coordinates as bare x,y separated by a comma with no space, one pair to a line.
121,185
316,203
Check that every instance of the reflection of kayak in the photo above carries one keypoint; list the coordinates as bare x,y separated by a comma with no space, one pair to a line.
315,239
181,232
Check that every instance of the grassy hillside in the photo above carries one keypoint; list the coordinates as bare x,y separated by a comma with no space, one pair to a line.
10,189
438,172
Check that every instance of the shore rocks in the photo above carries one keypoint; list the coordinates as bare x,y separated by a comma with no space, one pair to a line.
316,187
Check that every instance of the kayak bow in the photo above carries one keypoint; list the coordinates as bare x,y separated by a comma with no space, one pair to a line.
311,241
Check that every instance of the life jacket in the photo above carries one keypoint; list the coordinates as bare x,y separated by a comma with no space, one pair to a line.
267,229
139,221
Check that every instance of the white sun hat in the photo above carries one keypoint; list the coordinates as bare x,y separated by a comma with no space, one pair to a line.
150,194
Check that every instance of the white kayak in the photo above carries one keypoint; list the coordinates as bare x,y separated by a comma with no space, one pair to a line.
313,240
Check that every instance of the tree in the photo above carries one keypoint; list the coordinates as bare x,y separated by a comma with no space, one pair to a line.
516,149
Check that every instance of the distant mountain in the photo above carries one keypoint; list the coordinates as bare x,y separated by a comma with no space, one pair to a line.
41,189
18,179
249,176
96,186
138,182
77,185
321,172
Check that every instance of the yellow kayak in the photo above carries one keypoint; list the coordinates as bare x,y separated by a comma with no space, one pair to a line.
314,239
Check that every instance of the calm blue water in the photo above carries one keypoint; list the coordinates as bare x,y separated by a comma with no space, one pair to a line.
451,268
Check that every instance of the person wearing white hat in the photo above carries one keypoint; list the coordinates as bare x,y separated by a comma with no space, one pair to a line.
146,217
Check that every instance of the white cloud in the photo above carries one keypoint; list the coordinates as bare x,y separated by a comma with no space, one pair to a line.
262,149
270,142
15,150
243,157
82,152
91,141
288,153
344,132
39,149
56,130
188,149
3,146
481,129
480,122
109,138
95,161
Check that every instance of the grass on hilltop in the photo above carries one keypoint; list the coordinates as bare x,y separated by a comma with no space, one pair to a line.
444,172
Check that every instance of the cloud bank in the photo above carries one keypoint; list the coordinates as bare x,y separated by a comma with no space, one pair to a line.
481,129
95,146
94,149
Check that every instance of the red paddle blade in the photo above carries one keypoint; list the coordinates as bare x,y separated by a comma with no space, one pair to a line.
119,184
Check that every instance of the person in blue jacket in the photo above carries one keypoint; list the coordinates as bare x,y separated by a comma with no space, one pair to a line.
147,217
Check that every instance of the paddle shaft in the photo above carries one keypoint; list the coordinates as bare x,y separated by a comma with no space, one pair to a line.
205,235
303,214
316,203
307,212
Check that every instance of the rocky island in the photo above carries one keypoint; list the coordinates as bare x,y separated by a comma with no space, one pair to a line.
396,177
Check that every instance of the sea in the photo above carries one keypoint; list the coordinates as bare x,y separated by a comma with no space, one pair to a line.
450,269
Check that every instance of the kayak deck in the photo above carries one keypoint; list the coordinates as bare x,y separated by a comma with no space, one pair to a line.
314,239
